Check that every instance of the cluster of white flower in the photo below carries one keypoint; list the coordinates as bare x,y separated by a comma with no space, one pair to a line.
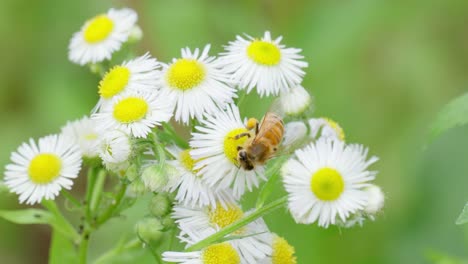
327,180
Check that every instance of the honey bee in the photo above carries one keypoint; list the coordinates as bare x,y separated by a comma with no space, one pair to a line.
263,144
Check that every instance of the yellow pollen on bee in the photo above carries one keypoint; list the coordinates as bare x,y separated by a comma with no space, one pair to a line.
98,29
283,252
264,53
44,168
220,254
223,217
114,81
130,109
327,184
338,129
184,74
231,143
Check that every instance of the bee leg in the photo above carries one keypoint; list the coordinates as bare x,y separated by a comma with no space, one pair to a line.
239,148
256,128
245,134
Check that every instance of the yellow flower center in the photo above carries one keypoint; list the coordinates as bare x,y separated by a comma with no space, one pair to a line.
130,109
327,184
114,81
222,217
98,29
220,254
184,74
231,143
44,168
335,126
186,159
263,52
91,136
283,253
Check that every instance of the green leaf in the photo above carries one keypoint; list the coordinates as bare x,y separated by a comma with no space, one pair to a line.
27,216
454,114
62,250
463,218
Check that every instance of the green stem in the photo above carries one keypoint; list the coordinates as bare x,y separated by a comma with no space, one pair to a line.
273,172
97,191
107,257
83,249
111,209
175,137
89,190
240,223
71,198
61,224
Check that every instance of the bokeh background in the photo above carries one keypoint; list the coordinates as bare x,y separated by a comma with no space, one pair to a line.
382,69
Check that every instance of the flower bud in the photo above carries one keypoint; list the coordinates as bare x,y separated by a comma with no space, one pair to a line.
150,229
160,205
168,222
138,187
136,34
132,172
294,133
375,200
295,101
159,177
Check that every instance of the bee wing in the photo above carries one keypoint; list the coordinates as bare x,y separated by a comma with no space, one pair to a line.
268,124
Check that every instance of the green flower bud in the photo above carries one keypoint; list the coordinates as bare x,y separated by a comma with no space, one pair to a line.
132,172
168,222
159,177
138,188
160,205
150,229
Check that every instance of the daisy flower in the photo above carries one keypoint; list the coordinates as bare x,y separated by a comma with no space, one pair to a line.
263,63
101,36
134,113
282,252
197,223
223,253
137,75
196,84
191,189
326,180
295,101
215,150
84,133
40,171
115,150
328,129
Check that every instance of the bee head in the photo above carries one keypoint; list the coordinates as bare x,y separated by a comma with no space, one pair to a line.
244,160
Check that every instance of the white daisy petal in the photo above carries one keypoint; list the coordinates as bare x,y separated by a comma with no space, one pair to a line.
197,85
101,36
134,113
42,169
264,63
326,180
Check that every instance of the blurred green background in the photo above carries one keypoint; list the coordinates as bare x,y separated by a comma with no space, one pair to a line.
382,69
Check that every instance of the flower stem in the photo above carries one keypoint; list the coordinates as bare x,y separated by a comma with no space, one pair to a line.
83,249
97,191
240,223
91,179
177,139
60,224
71,198
111,209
